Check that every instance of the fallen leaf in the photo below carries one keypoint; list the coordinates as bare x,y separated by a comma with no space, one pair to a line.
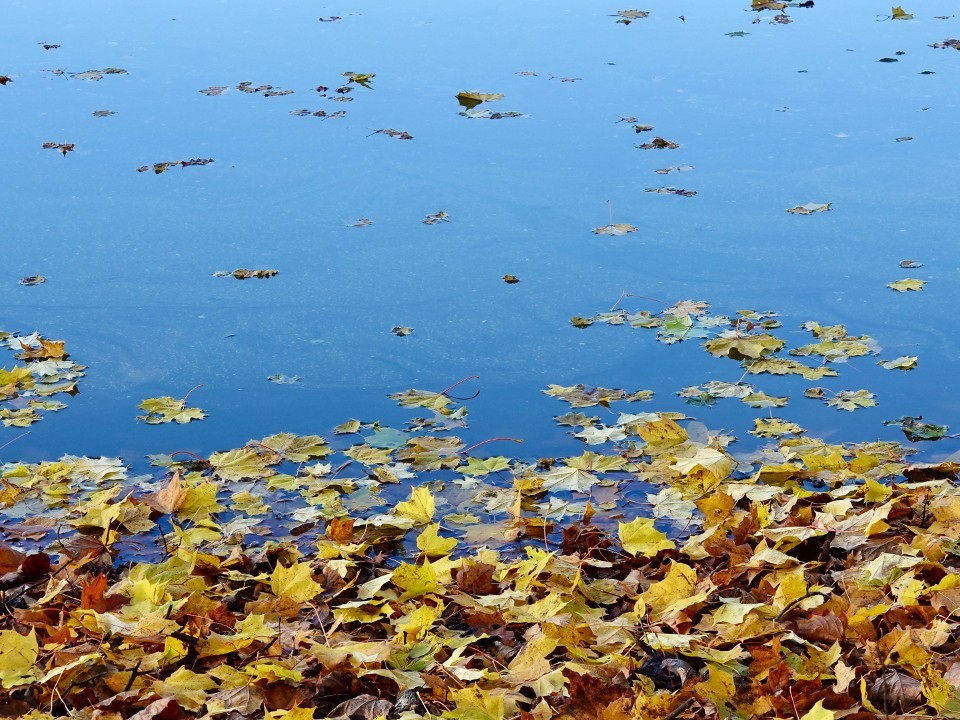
810,208
907,284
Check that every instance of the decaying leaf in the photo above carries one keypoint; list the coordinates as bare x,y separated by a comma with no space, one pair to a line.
904,362
159,168
915,429
33,280
401,330
64,148
615,229
851,400
810,208
436,218
245,274
672,191
511,279
390,132
659,143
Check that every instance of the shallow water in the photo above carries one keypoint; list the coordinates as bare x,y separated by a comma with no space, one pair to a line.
785,115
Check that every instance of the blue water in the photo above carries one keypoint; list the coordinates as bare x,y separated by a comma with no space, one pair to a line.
785,115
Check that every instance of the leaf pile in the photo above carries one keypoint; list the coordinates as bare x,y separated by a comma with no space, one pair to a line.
803,580
25,389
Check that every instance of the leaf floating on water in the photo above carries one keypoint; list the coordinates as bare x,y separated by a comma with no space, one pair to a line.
33,280
915,429
625,17
525,73
672,191
164,166
436,218
390,132
762,400
910,264
64,148
166,409
401,331
888,60
332,18
244,274
284,379
362,79
581,395
472,99
251,89
905,138
642,128
659,143
907,284
511,279
362,222
673,168
851,400
905,362
774,427
214,90
104,113
4,79
580,322
810,208
955,44
737,33
93,75
489,115
615,229
898,13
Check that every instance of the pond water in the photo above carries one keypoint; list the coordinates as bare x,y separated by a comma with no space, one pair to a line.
784,115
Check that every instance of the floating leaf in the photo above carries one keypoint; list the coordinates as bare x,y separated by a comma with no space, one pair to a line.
774,427
64,148
615,229
511,279
103,113
904,362
659,143
436,218
915,429
910,264
33,280
244,274
851,400
284,379
166,409
401,330
907,284
897,13
472,99
809,208
390,132
159,168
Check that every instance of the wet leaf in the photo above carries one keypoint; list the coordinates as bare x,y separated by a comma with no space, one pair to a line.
809,208
659,143
244,274
904,362
401,330
950,43
472,99
897,13
33,280
851,400
907,284
63,148
390,132
162,167
284,379
104,113
774,427
910,264
615,229
915,429
511,279
166,409
436,218
672,191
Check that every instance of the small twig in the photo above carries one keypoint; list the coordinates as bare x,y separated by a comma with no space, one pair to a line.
488,440
190,392
21,435
796,602
676,712
458,382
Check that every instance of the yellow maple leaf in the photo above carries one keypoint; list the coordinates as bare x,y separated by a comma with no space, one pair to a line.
419,508
415,580
18,653
431,544
679,583
295,582
640,537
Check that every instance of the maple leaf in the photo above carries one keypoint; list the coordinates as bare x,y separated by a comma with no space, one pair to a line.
472,99
904,362
774,427
240,464
420,507
18,655
907,284
295,582
167,409
740,347
851,400
640,537
297,448
615,229
897,13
